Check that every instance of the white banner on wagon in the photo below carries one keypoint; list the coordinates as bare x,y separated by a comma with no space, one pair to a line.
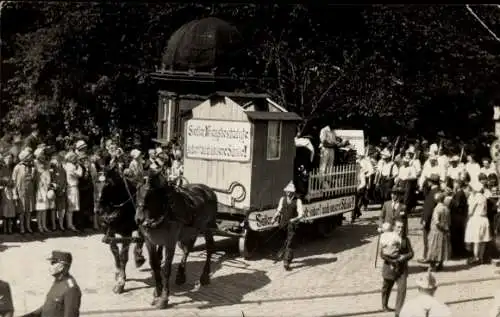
261,220
218,140
355,137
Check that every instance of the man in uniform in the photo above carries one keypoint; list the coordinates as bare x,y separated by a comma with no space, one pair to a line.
289,211
6,305
64,297
86,184
425,304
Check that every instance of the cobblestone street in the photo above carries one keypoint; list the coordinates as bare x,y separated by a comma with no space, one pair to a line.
332,277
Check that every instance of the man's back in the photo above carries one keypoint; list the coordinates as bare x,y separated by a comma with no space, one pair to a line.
63,299
6,305
425,306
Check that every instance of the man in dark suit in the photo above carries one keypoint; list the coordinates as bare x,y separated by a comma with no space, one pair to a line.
393,209
6,304
395,271
428,209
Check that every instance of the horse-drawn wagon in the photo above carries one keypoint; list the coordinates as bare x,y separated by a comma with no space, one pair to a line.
243,146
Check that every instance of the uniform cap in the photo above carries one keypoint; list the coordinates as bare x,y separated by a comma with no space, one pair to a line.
289,188
61,256
80,145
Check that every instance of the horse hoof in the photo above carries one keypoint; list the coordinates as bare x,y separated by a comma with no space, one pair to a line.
154,301
180,279
140,261
161,303
118,289
205,280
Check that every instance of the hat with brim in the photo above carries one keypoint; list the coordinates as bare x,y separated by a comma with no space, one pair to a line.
428,281
411,150
61,257
161,141
25,155
80,145
135,153
289,188
454,158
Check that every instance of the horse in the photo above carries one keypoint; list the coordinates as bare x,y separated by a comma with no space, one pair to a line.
116,208
168,214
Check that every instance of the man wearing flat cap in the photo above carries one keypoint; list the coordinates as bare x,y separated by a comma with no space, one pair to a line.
64,297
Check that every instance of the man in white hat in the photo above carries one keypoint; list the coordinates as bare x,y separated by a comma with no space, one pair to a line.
407,179
136,167
86,185
388,171
472,168
414,160
488,168
289,211
455,169
425,304
431,167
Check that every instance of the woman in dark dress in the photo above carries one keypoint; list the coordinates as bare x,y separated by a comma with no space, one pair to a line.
458,213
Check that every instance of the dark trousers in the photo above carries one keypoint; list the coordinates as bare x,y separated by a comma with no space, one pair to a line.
287,249
425,237
361,201
401,291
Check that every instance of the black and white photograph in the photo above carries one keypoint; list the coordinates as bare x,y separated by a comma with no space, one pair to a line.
249,159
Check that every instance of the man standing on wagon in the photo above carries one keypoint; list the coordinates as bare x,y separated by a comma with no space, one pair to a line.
328,143
290,211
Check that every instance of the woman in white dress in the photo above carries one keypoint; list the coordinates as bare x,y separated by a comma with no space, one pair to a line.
43,180
73,173
477,231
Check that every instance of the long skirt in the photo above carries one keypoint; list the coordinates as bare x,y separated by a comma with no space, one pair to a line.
73,195
439,245
410,196
27,201
457,234
477,230
8,206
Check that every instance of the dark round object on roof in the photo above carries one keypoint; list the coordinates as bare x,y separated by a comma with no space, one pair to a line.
201,45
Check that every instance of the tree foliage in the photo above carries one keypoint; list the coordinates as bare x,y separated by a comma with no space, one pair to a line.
386,69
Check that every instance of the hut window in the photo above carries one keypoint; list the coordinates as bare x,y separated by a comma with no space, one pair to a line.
273,140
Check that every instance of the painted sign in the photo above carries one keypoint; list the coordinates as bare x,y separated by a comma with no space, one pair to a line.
218,140
262,220
355,137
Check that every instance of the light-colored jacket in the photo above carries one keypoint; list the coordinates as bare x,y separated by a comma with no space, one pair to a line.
73,174
24,180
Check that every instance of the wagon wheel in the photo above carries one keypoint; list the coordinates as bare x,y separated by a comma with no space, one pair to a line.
247,243
326,227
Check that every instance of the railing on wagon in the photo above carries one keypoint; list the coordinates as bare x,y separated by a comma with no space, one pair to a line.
337,181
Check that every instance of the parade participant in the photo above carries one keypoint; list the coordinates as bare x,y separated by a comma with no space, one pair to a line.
136,166
431,167
59,179
472,168
73,174
33,140
488,168
6,303
43,181
360,194
390,245
328,144
407,179
439,234
414,160
455,170
7,202
177,169
86,185
477,230
290,212
23,177
64,297
388,171
425,304
394,208
396,271
427,212
367,171
458,218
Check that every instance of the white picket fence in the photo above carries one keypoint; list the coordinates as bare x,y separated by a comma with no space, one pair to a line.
338,180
